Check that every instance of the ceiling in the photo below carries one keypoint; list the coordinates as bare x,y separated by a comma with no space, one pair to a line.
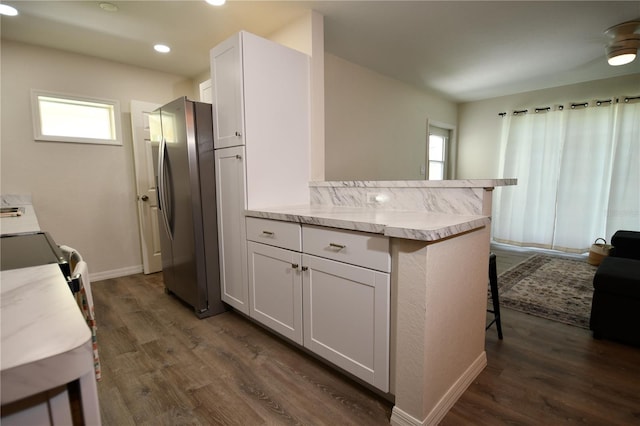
463,50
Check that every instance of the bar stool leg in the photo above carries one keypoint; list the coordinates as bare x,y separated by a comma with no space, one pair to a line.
493,284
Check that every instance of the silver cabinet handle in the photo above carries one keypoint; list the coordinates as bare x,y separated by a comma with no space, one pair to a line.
268,233
337,246
295,265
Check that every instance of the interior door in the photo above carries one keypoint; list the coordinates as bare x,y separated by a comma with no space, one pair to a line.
143,140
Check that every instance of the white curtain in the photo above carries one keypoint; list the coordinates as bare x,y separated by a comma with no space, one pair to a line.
578,177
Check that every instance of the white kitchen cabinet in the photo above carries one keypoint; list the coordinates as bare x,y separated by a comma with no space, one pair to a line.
346,317
275,283
346,302
226,78
275,277
261,108
261,100
326,289
231,199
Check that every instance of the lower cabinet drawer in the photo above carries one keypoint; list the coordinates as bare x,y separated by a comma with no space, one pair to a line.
356,248
274,233
346,317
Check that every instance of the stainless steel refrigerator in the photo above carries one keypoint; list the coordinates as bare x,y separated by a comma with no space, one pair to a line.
185,182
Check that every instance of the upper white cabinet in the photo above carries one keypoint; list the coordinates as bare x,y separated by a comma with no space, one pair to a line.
261,100
226,78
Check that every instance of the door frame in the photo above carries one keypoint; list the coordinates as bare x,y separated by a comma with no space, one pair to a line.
145,185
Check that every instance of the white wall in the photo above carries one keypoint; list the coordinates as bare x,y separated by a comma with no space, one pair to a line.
376,126
84,195
479,125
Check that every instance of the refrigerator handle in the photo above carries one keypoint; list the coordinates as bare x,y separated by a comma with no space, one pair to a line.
162,202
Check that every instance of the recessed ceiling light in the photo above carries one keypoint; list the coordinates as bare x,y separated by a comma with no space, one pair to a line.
8,10
216,2
162,48
109,7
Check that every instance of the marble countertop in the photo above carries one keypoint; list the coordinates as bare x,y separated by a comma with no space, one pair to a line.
27,222
45,341
461,183
413,225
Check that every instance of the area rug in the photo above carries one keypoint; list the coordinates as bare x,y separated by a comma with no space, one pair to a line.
555,288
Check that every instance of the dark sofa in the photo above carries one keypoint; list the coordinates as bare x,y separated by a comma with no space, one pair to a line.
615,308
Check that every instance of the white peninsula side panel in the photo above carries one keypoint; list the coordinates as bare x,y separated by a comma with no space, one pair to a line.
440,297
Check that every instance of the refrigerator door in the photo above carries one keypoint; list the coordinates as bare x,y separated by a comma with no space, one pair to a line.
179,191
161,175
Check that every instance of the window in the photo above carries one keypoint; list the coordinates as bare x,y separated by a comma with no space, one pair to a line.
578,175
65,118
436,157
438,141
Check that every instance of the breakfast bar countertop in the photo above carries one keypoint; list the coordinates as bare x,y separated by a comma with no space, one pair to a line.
407,224
454,183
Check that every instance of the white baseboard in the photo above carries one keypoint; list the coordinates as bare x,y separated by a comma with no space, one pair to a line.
401,418
115,273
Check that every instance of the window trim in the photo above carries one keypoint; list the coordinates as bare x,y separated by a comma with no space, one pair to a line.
37,122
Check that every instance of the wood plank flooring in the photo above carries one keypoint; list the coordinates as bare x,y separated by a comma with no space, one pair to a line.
163,366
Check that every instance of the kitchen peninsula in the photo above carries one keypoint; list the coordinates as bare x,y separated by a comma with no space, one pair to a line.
385,280
438,235
46,343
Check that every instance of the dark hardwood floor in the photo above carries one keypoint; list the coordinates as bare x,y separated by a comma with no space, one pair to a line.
163,366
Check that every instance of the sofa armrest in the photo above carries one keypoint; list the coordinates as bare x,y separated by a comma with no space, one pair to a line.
626,244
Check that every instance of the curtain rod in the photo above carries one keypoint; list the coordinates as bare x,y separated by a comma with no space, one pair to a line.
574,105
581,104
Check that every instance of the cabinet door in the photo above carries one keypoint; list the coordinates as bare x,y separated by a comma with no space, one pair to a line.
346,317
275,285
228,97
231,199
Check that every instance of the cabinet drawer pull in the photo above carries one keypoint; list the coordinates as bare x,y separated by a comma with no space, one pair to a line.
295,265
305,268
238,134
268,233
238,157
337,246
